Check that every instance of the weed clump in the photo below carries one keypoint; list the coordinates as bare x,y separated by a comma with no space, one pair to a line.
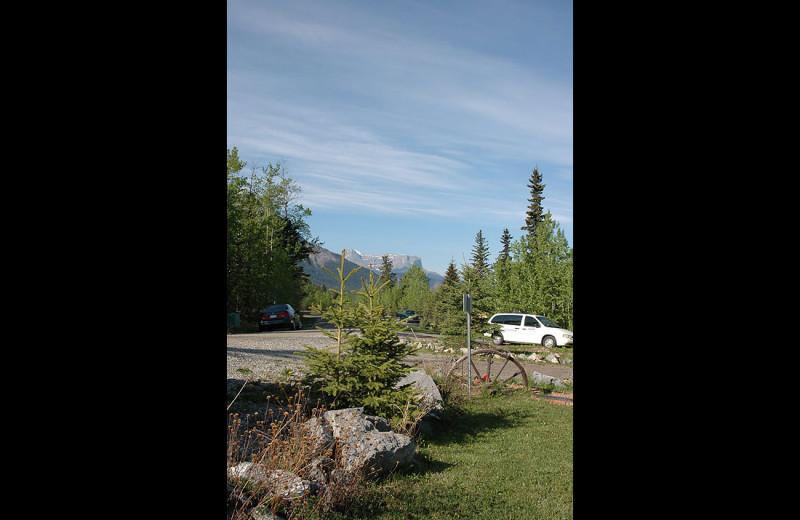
279,462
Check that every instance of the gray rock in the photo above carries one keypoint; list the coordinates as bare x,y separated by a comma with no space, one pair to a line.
425,385
285,484
318,433
536,377
552,358
364,447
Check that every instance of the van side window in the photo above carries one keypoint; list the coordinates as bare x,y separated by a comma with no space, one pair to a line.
530,321
513,320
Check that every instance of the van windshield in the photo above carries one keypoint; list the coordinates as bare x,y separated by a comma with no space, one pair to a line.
547,322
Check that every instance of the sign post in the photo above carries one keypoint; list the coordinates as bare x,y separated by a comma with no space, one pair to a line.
468,308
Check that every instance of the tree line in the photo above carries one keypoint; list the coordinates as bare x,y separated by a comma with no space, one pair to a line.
268,237
531,274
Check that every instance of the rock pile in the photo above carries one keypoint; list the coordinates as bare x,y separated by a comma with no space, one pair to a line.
346,443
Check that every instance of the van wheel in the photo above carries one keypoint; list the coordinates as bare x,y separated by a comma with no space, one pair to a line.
498,340
548,342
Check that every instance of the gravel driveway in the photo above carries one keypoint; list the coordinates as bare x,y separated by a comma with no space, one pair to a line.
266,355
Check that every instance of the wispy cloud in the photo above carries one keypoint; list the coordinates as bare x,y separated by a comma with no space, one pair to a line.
372,105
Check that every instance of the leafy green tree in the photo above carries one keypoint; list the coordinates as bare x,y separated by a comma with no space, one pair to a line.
267,237
540,274
534,214
415,289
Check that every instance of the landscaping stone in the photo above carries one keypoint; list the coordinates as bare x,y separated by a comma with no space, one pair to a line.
363,446
552,358
431,397
536,377
287,485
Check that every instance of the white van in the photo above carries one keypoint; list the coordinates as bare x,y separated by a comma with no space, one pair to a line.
529,329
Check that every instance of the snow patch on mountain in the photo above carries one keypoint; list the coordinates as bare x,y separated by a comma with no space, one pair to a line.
398,261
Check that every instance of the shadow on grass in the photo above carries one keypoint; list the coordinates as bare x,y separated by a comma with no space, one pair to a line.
464,426
460,427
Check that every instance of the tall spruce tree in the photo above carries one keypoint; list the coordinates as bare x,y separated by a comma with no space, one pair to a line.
451,275
505,252
386,271
534,215
480,254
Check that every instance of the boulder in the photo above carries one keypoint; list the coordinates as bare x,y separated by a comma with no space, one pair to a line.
536,377
284,484
419,379
363,446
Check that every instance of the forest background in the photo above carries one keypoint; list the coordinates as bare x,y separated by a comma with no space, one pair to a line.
268,237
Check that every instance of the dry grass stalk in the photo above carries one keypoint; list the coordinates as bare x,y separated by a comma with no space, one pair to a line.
278,441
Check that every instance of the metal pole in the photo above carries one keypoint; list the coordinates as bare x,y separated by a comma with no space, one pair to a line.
469,361
467,306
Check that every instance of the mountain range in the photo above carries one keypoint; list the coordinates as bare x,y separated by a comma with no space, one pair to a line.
353,258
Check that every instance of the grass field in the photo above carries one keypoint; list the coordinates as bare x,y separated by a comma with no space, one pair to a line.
500,456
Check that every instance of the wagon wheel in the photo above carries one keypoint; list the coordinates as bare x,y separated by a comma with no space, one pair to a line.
490,376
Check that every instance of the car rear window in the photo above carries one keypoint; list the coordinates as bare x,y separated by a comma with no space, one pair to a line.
275,308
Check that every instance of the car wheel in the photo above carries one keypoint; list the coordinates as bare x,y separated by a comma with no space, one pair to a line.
498,340
548,342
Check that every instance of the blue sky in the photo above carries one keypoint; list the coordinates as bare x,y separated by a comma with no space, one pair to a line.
409,125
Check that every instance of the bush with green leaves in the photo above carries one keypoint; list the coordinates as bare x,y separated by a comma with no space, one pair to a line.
366,361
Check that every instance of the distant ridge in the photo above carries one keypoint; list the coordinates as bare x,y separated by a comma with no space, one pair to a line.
321,257
353,258
398,261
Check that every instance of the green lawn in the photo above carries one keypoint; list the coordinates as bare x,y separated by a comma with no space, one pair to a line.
503,456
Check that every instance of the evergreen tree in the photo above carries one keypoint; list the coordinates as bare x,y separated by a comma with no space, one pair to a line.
366,364
451,274
534,214
444,312
505,252
386,271
480,254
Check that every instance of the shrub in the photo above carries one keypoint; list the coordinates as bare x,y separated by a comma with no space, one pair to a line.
367,360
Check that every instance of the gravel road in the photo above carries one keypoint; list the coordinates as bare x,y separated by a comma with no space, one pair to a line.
266,355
